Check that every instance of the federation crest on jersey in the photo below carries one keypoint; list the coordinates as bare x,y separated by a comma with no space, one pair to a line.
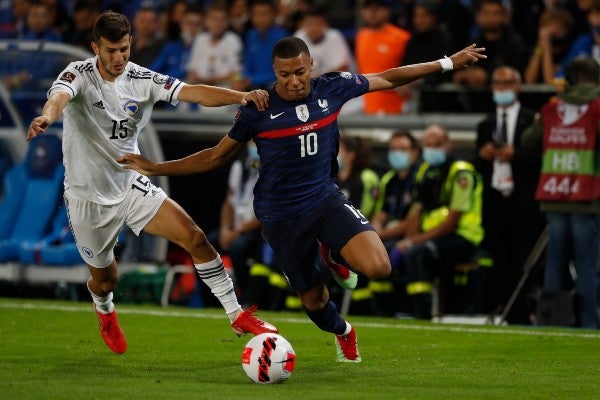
324,104
302,112
132,107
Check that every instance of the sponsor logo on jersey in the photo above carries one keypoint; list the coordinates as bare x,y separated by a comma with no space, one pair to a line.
346,75
273,116
132,107
302,112
68,77
324,105
84,67
99,104
137,74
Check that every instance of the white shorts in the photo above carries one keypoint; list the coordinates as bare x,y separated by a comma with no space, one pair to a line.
96,227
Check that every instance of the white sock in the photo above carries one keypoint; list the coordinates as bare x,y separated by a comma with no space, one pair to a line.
348,329
103,304
216,278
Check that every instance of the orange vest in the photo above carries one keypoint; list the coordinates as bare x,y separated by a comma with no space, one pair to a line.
376,51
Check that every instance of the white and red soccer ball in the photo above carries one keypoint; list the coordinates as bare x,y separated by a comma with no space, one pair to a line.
268,358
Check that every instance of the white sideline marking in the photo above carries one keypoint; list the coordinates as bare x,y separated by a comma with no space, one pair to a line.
527,331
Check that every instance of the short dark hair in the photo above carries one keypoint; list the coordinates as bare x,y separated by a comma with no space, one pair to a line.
289,47
111,26
583,69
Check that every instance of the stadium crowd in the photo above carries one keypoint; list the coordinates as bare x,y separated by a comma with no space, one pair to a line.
228,43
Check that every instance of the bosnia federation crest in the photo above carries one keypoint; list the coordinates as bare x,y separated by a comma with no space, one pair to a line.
131,107
302,112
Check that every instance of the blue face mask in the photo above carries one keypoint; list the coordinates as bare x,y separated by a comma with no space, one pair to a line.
398,160
253,153
504,97
433,156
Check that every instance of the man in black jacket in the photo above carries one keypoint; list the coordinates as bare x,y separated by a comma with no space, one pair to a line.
511,216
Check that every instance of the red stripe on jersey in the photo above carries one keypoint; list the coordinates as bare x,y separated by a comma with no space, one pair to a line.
309,127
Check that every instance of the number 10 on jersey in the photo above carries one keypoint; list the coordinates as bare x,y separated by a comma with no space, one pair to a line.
308,144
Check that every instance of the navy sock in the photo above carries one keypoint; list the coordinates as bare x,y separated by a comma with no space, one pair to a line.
328,319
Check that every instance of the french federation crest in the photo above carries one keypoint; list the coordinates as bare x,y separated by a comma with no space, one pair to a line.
302,112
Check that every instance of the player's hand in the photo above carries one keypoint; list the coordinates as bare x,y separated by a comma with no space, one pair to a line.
259,97
467,56
37,127
137,163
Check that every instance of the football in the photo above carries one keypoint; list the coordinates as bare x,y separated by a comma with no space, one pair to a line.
268,358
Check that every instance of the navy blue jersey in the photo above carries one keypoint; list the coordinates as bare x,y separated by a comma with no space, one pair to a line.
298,144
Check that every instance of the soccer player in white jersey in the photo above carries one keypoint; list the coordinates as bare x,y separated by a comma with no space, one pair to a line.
106,102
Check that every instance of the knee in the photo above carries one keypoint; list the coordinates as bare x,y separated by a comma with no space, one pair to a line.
380,268
105,284
195,240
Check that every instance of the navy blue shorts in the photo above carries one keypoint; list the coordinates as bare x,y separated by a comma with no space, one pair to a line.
334,221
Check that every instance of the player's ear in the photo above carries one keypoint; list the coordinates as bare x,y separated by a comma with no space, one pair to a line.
95,48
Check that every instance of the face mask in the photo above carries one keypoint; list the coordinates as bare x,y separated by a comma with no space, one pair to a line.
504,97
433,156
340,164
398,160
253,153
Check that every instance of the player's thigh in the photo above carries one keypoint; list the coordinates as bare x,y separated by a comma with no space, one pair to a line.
366,253
173,223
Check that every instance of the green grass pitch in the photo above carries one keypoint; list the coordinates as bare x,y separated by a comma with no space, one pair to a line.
53,350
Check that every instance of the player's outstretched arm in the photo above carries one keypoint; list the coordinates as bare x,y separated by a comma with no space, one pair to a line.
213,96
202,161
395,77
50,113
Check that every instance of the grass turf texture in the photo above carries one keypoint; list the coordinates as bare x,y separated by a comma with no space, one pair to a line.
53,350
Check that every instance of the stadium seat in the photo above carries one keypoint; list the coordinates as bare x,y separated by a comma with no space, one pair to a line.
32,192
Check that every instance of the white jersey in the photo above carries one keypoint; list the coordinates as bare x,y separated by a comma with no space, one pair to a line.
102,122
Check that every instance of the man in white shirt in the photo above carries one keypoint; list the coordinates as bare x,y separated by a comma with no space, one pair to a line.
328,48
216,54
511,216
106,102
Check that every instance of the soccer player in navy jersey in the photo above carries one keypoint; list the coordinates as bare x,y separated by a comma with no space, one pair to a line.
296,197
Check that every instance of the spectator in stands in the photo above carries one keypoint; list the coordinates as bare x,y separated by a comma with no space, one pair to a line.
503,45
396,188
85,13
587,43
100,194
170,20
328,48
444,223
511,216
380,46
174,57
239,234
358,182
258,68
239,17
146,43
37,24
217,52
12,18
429,39
569,185
554,38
